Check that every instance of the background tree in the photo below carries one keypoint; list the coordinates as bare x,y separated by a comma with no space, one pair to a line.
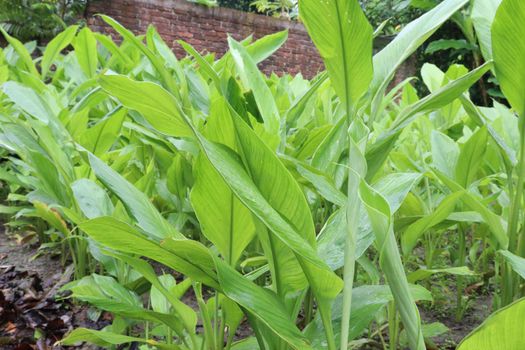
37,19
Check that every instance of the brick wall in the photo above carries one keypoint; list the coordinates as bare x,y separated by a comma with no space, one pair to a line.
207,28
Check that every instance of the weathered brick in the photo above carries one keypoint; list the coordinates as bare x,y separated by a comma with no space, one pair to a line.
207,29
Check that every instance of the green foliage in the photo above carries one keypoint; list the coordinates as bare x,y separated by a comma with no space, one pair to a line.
503,329
40,20
244,5
308,208
396,13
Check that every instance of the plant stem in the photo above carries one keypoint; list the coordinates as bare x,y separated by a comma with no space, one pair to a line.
205,315
326,317
308,306
459,280
393,324
510,278
357,145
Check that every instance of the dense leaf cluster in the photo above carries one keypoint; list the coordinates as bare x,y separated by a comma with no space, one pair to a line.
316,213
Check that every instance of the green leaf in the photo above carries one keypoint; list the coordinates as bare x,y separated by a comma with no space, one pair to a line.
417,229
474,202
106,293
265,47
508,48
422,274
249,343
262,303
22,53
367,301
516,262
50,180
406,42
55,46
92,199
136,202
273,195
322,184
204,65
99,138
157,105
394,187
441,97
343,37
29,101
430,330
391,264
224,220
252,78
445,153
483,12
167,78
471,157
85,46
109,44
183,311
504,329
114,234
106,339
447,44
380,149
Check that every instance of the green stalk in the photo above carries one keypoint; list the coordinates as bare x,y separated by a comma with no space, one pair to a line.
308,307
206,321
393,325
326,317
219,333
349,271
358,135
510,281
460,280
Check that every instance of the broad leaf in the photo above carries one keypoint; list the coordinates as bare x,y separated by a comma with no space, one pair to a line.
85,46
508,48
22,52
157,105
92,199
224,220
262,303
114,234
516,262
136,202
55,46
406,42
106,339
504,329
253,79
391,264
368,300
343,37
483,12
471,157
417,229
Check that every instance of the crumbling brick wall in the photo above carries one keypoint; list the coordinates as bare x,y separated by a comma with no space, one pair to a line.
207,28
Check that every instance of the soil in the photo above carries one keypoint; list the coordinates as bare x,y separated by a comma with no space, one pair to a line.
479,309
30,315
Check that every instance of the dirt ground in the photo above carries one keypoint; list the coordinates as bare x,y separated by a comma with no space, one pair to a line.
30,316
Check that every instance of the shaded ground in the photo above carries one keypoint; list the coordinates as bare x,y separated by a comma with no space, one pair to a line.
479,309
30,317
